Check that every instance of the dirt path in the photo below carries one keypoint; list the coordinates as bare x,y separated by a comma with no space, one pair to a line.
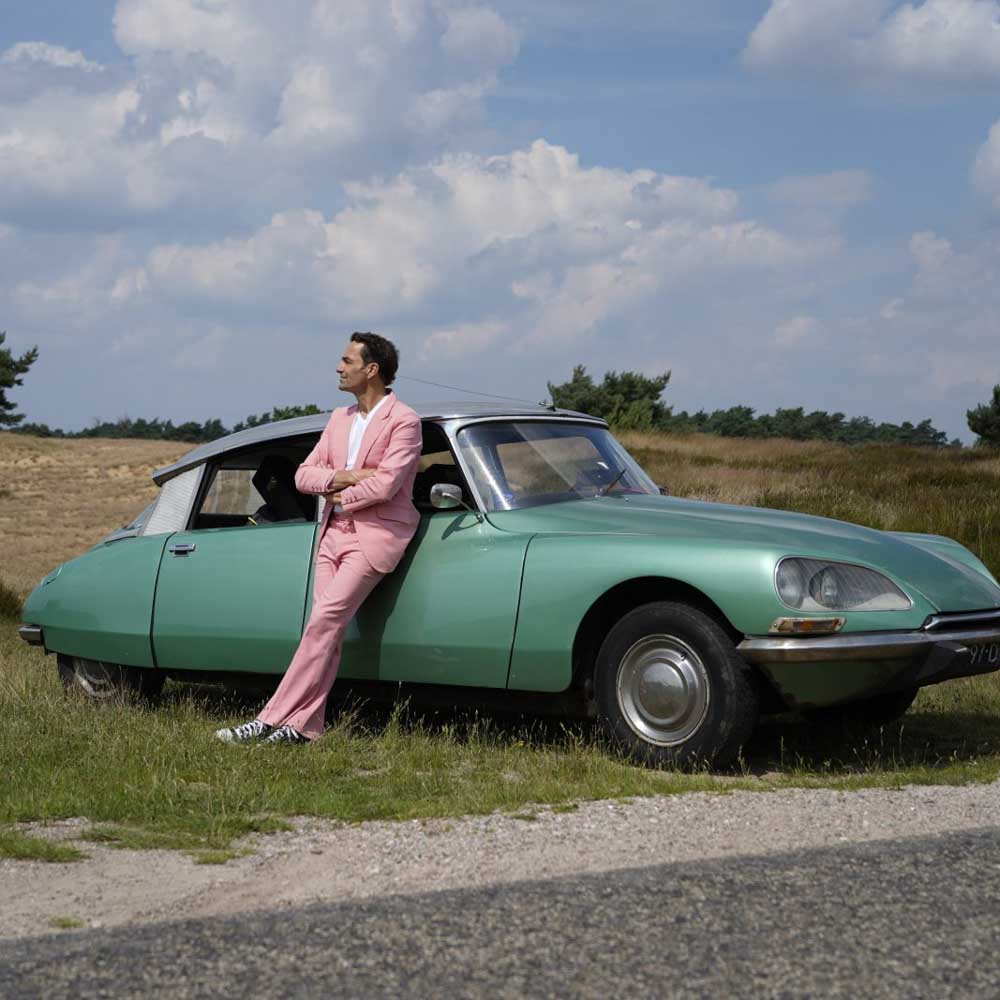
321,860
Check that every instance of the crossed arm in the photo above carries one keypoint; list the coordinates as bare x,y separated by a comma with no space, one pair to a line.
359,488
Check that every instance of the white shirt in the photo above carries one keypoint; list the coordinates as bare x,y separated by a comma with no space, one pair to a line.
358,428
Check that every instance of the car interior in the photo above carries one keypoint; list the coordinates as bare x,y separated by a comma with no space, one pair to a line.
257,486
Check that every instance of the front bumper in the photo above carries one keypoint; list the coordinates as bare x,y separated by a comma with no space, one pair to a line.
947,646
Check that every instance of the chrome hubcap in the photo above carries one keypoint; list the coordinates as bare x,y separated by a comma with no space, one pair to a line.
95,678
663,689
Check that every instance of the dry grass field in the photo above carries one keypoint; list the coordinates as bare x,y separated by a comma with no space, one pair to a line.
154,776
57,498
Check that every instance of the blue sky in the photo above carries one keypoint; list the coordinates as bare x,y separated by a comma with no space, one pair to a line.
788,203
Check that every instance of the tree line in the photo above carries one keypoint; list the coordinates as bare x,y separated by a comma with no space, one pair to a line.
627,400
631,401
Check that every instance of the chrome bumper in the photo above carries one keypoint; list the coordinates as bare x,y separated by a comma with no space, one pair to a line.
948,646
31,634
982,644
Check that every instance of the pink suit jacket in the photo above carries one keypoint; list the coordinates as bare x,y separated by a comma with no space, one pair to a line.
381,505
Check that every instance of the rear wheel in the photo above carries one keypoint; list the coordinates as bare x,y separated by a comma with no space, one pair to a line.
98,680
671,688
877,711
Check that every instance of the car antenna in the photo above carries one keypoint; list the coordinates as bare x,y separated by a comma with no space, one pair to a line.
472,392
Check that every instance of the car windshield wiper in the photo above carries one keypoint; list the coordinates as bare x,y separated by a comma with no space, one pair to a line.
604,489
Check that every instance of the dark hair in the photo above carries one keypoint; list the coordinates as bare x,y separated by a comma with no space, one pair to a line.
383,352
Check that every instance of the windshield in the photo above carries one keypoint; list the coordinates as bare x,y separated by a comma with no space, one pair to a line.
524,464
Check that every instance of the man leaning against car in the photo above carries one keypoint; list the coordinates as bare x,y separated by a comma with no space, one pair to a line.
364,465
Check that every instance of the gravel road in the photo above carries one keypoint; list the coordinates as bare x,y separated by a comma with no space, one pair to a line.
914,917
321,861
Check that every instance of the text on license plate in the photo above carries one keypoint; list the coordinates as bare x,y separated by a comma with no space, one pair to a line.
986,653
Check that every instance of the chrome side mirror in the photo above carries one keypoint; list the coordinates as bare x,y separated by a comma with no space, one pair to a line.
444,496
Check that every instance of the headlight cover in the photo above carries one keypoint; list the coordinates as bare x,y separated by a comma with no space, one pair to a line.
819,585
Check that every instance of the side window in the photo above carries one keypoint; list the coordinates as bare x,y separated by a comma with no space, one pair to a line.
255,489
437,465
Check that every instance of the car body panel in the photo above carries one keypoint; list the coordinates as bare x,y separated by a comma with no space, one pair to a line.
99,605
234,603
931,571
446,614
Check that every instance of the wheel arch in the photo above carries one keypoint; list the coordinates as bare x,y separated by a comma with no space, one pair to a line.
623,597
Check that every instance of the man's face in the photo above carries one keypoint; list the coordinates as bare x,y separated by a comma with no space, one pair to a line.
352,370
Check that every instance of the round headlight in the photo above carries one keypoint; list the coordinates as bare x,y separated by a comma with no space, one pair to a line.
819,585
790,582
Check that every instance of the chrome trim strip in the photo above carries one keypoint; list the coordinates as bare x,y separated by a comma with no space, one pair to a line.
31,634
856,646
987,618
301,426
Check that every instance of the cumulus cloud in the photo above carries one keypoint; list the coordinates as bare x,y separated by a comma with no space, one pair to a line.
797,331
986,168
532,235
244,102
879,41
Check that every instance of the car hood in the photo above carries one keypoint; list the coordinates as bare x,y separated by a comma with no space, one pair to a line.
944,572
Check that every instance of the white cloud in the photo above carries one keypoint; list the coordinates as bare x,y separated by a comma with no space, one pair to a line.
50,55
986,167
244,106
879,41
835,190
798,331
532,229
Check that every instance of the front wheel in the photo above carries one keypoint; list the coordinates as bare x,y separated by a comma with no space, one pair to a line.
671,688
97,680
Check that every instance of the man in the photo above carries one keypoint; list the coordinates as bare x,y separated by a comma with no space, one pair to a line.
364,465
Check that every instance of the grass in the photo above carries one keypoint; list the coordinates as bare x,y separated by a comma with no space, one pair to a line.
22,847
66,923
154,777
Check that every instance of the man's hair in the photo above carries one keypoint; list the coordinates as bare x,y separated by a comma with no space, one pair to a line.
383,352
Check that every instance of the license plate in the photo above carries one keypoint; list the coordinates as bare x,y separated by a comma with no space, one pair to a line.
985,653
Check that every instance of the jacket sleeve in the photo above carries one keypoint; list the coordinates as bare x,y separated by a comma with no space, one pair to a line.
313,475
401,455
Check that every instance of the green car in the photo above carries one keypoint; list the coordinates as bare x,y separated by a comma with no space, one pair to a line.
548,570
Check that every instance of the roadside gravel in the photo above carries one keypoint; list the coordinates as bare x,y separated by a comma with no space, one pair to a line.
326,861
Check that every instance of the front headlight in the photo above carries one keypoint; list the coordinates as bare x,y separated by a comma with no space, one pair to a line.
818,585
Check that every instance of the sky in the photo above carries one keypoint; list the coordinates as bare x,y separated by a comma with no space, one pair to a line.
783,202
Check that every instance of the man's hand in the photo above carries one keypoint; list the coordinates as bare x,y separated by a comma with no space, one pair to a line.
343,478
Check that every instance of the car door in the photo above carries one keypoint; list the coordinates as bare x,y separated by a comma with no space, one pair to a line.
446,614
233,598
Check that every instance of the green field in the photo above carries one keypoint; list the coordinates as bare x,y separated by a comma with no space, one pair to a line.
154,776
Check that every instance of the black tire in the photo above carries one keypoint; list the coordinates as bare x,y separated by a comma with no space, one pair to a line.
671,690
97,680
871,712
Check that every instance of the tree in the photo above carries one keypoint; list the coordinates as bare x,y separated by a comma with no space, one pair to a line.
627,400
984,420
11,370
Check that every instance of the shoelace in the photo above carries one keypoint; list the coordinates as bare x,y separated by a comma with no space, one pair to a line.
249,730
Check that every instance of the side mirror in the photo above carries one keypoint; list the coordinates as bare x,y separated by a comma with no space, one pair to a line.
444,496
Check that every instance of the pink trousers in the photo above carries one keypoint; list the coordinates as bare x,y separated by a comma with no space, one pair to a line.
343,579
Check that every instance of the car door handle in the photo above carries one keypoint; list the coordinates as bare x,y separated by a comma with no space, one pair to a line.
182,548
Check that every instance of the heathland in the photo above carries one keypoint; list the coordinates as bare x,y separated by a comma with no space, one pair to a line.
152,774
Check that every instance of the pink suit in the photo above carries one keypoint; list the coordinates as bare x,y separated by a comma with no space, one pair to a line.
357,547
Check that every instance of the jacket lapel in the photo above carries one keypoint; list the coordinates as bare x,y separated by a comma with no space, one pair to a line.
340,436
373,429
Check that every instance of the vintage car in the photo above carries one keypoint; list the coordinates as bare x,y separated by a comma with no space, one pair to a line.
546,563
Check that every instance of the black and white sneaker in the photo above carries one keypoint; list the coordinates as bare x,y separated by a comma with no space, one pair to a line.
285,734
247,733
